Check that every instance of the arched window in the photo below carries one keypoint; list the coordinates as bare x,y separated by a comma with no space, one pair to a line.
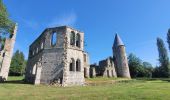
30,53
54,39
78,40
33,53
72,65
37,50
78,65
72,38
108,74
85,58
42,45
112,73
34,69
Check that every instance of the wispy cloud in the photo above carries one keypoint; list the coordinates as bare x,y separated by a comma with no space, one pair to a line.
30,23
64,19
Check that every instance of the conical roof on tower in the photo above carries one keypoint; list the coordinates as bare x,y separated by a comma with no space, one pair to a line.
117,41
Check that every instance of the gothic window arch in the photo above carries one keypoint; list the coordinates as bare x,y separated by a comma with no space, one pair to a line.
72,38
37,50
33,53
54,39
30,53
72,65
42,45
78,65
34,69
78,40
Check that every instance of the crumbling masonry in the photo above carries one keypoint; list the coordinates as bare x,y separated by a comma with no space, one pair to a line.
116,66
58,56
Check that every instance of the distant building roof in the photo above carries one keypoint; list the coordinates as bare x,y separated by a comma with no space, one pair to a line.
117,41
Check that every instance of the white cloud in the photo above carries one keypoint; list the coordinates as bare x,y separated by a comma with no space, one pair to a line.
64,19
30,24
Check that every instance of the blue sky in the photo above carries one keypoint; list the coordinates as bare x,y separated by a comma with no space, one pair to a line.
138,22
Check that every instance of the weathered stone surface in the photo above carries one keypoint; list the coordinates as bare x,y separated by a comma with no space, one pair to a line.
107,68
120,58
94,70
6,55
61,62
113,67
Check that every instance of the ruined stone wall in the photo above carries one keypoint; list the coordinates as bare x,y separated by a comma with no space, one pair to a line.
86,65
6,55
31,68
52,69
54,60
48,57
75,77
94,71
73,52
107,68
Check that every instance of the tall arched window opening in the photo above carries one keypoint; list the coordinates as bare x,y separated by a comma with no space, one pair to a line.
72,65
42,45
34,69
54,39
78,65
78,40
72,38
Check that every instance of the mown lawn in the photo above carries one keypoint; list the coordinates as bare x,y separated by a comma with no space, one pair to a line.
124,90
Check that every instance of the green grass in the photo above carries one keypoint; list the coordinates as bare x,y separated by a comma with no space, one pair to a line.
146,89
14,78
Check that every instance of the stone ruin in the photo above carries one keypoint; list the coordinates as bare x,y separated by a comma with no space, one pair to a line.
58,56
116,66
6,55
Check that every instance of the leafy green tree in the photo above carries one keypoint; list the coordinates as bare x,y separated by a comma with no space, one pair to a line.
135,65
163,59
168,38
156,72
18,64
6,25
138,68
148,69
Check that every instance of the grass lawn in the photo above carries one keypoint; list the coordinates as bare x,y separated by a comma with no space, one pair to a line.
125,90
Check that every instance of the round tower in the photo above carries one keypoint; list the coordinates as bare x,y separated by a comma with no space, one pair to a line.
120,58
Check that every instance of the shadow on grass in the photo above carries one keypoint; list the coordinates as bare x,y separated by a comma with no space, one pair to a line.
13,82
154,79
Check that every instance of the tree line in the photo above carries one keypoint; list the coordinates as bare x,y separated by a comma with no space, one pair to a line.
138,68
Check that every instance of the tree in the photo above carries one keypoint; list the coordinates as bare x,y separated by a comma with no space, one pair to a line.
135,65
148,69
156,72
138,68
6,25
163,58
18,64
168,38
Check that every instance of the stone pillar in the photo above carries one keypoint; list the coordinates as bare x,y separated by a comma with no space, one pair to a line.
113,71
93,72
86,72
8,52
38,74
